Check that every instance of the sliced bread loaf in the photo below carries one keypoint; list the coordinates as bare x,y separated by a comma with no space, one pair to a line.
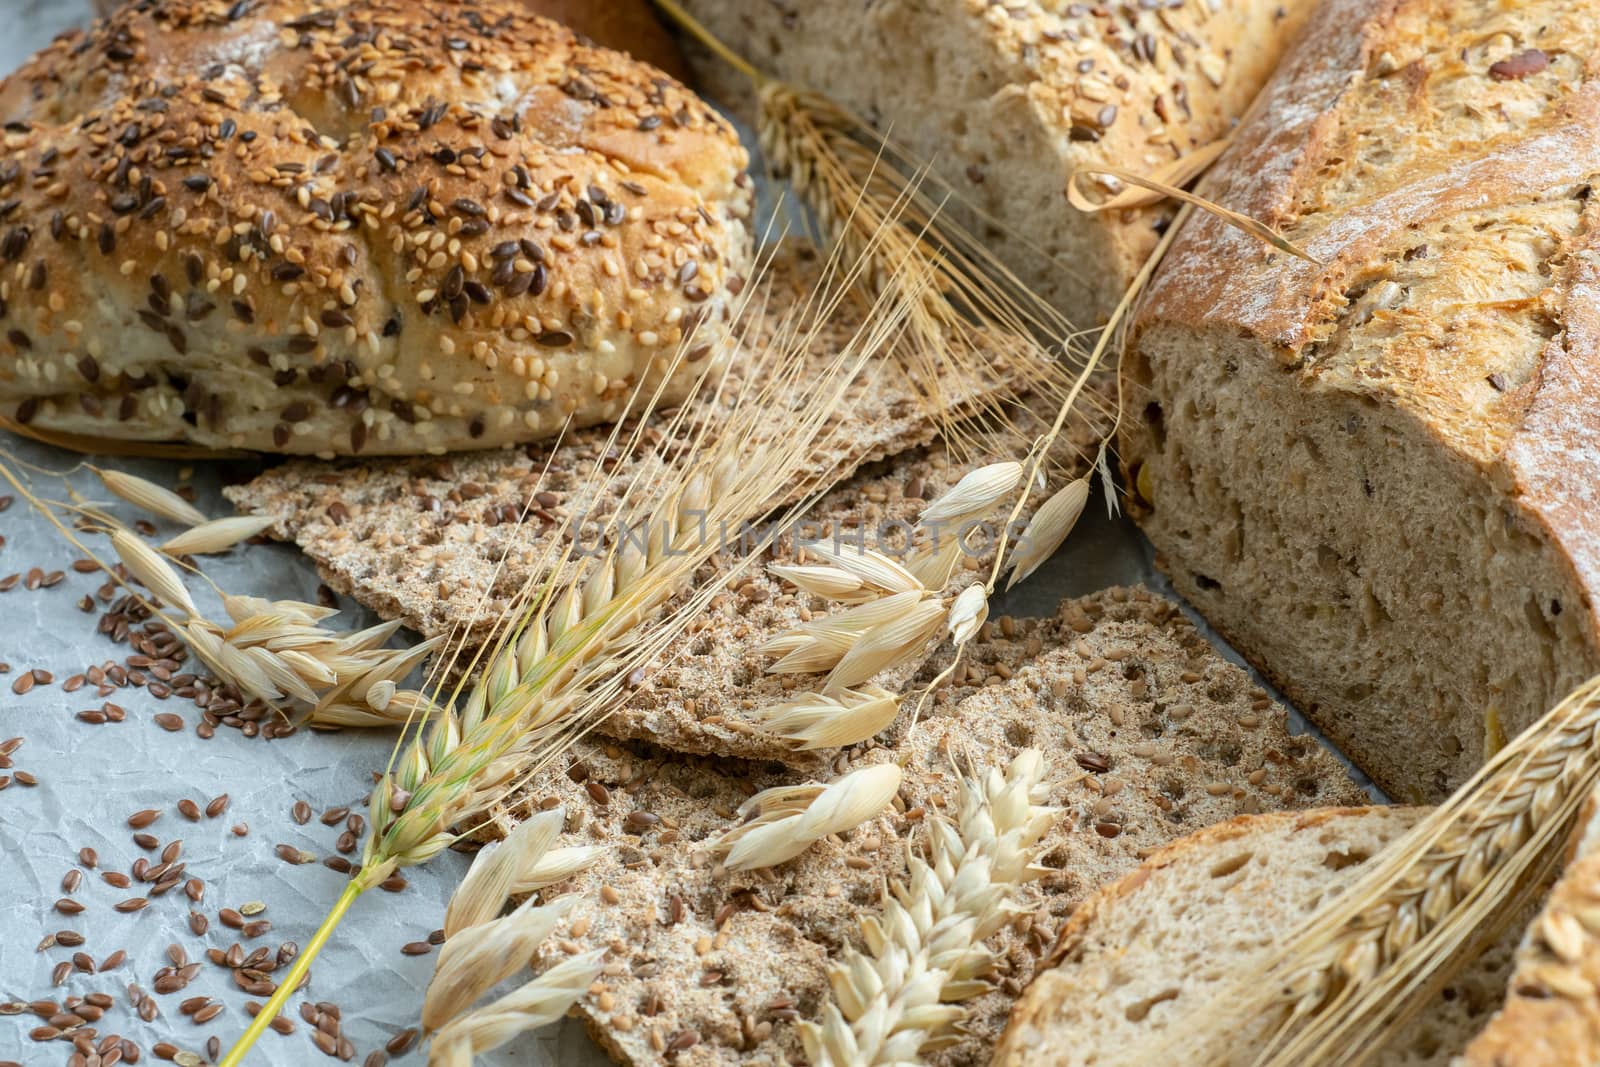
1141,953
1006,101
1551,1016
1375,473
1148,735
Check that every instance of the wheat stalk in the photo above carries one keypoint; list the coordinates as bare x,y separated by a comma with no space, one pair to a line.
482,950
964,308
562,661
1354,972
925,951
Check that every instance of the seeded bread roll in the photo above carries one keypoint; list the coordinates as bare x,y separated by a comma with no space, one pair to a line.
1006,101
375,227
1140,954
1377,475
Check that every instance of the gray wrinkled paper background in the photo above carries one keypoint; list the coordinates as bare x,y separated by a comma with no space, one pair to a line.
91,778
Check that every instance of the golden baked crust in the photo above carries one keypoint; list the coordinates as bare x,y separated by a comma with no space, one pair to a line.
373,226
1426,390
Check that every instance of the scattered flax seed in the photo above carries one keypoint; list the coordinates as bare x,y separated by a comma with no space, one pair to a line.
301,812
290,854
416,948
252,907
169,722
217,806
140,819
189,809
133,904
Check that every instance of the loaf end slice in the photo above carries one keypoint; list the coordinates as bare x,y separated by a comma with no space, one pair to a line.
1161,942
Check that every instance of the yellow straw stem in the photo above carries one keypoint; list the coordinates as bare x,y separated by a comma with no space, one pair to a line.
291,981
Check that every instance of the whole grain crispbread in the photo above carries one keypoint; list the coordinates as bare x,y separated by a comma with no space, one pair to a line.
1148,734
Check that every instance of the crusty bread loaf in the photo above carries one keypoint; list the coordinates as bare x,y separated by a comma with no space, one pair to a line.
1150,735
376,227
1142,952
1376,475
1007,100
1551,1016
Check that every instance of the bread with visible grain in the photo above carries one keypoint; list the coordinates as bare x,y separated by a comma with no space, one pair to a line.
384,226
1006,101
1375,473
1142,953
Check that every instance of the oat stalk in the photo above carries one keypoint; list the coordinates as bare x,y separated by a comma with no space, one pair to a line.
271,651
782,822
1354,972
482,949
925,953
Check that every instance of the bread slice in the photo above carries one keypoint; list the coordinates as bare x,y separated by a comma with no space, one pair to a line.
1551,1015
1149,734
1007,101
1142,952
1374,474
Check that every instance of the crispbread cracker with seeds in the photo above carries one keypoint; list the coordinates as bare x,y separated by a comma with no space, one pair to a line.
1148,734
421,539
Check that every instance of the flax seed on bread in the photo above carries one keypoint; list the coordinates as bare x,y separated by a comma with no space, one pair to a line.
386,226
1148,733
1006,101
423,540
1145,950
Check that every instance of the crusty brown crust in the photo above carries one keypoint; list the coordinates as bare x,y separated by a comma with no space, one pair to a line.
1217,276
374,226
623,25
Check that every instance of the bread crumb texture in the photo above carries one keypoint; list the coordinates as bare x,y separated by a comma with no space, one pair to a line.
1148,734
1375,473
334,228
